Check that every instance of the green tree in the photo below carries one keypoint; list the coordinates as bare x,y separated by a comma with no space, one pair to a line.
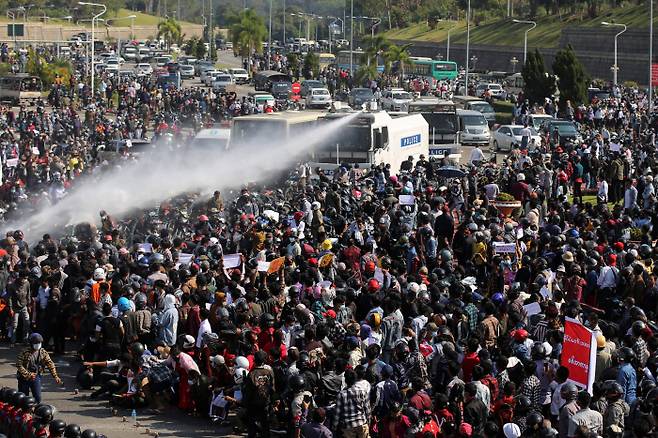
190,46
538,84
374,47
311,67
366,72
398,55
248,33
170,30
200,49
572,78
293,63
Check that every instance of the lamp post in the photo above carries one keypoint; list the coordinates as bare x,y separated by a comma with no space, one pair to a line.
352,37
269,40
93,28
474,60
615,67
332,28
514,61
650,55
468,44
525,38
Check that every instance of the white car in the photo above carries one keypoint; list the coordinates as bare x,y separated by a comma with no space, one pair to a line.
495,90
144,69
130,53
111,70
396,100
240,75
208,76
221,81
318,97
507,135
186,71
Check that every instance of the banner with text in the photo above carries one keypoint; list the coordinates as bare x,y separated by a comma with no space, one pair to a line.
579,353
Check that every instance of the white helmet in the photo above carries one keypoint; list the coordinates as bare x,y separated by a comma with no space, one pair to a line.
99,274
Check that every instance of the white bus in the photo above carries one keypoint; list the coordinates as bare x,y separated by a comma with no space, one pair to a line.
278,126
373,138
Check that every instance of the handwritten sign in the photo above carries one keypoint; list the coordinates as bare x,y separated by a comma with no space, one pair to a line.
232,260
146,247
504,248
407,200
263,266
12,162
184,258
532,309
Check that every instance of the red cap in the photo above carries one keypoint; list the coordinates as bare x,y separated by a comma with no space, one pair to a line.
520,335
465,429
370,267
373,285
330,314
619,246
298,215
612,259
313,261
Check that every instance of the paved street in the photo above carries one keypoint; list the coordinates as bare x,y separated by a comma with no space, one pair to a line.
96,414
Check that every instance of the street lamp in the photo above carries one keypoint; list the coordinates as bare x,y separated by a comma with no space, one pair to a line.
468,44
332,29
525,38
93,28
615,67
474,60
650,56
514,61
269,40
448,43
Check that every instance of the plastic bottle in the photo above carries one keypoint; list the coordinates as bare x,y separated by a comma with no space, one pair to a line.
134,417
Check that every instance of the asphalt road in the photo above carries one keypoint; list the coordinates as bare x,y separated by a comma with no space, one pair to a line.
96,414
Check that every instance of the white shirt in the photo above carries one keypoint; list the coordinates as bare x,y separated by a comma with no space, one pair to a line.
203,329
476,155
42,296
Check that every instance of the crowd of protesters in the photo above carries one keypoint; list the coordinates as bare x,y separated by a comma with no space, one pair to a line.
332,308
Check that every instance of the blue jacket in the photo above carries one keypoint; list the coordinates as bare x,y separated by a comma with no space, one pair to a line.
627,378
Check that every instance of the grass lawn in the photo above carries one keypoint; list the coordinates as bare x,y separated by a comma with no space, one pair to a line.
502,31
141,19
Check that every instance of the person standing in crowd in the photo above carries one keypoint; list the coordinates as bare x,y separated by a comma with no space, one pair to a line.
31,363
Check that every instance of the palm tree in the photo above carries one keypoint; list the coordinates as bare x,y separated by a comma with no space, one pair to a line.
248,33
170,30
374,47
398,55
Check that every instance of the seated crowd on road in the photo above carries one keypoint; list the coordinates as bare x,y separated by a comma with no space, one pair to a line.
325,306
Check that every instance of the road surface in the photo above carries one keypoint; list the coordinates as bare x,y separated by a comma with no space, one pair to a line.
96,414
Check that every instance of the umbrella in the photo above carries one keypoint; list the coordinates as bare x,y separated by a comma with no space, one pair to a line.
450,172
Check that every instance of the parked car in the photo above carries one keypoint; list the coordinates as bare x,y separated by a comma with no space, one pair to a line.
318,97
360,96
495,90
222,81
240,75
537,121
208,76
186,71
508,135
202,65
308,85
396,99
566,129
144,69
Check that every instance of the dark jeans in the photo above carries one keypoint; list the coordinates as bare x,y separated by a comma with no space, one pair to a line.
262,416
25,386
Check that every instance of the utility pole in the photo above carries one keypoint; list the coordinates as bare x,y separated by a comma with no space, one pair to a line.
269,41
212,34
650,55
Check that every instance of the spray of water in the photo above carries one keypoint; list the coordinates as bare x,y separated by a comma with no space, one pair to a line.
159,176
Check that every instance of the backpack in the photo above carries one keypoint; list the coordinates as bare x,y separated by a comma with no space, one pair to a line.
258,388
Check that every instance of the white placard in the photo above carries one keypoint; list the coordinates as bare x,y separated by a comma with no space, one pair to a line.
532,309
263,266
232,260
407,200
615,147
504,248
12,162
184,258
146,247
271,215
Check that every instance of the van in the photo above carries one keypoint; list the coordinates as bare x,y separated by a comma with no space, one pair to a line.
212,139
477,104
473,127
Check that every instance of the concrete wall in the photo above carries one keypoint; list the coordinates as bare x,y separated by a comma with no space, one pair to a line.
594,47
48,32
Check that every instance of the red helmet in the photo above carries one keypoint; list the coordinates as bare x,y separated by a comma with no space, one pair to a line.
203,218
373,285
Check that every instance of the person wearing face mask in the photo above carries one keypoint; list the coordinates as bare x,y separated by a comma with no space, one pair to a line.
31,363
